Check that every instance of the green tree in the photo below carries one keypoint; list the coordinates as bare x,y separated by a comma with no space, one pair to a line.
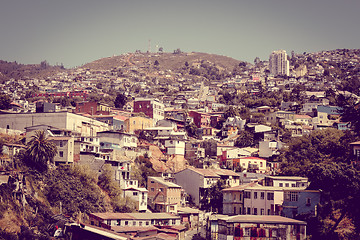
350,111
231,112
75,189
191,129
320,146
245,139
212,198
5,101
340,186
40,152
120,100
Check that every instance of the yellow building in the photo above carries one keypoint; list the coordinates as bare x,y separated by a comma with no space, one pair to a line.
137,123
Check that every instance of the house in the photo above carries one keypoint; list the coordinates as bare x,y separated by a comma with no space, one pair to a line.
122,169
300,202
286,181
9,150
303,119
175,146
62,138
259,227
152,232
132,124
151,107
117,140
356,150
267,149
115,122
92,108
61,120
164,196
195,180
138,195
86,147
193,150
107,220
233,199
200,119
65,149
189,216
252,164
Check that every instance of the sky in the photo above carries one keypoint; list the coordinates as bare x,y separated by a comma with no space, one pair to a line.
75,32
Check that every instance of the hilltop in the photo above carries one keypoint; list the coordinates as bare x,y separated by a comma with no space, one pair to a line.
167,61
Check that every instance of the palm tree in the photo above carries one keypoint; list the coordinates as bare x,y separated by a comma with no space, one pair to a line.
40,151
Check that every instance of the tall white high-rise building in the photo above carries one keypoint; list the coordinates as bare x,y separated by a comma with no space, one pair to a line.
278,63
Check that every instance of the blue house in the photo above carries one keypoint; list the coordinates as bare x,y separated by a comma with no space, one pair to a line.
298,202
331,110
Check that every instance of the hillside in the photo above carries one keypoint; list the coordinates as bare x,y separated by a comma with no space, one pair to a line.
15,70
167,61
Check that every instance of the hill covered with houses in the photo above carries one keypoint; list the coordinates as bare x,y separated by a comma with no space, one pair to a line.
183,134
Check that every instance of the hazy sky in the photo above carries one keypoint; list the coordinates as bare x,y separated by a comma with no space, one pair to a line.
75,32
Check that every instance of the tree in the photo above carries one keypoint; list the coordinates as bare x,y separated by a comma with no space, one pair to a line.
212,199
320,146
350,111
40,151
339,183
120,100
5,101
191,129
245,139
231,112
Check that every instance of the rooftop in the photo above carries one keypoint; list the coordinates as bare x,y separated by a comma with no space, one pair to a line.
262,219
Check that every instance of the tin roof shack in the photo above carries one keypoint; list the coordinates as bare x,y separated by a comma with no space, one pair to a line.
261,227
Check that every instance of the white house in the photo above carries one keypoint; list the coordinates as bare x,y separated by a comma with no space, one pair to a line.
139,195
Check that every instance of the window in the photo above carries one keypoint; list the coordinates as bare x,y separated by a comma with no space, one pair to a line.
134,223
147,222
270,196
61,154
173,221
248,211
269,212
118,222
247,232
140,223
255,195
286,185
172,208
247,194
293,185
262,211
292,196
281,184
109,222
126,223
255,211
152,189
61,144
308,201
262,195
135,193
161,189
